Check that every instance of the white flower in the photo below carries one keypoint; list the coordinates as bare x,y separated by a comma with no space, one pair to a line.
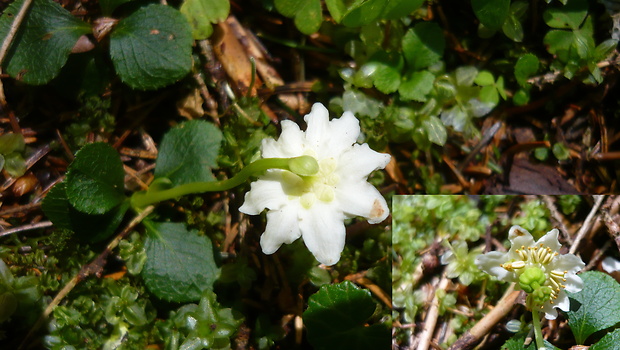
315,207
538,268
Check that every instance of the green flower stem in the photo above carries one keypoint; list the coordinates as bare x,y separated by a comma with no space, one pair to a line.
303,166
540,343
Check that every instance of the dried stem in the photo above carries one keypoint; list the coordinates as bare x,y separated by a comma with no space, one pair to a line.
587,224
431,317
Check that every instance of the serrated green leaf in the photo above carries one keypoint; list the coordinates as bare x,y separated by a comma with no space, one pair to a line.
491,13
188,152
435,130
201,14
609,342
43,42
306,13
526,66
570,15
336,316
89,228
416,86
518,340
423,45
179,264
596,307
95,179
152,47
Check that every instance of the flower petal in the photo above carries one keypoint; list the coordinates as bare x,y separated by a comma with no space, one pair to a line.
362,199
519,236
290,144
356,163
282,227
265,193
573,283
550,239
323,232
567,262
318,125
341,134
490,262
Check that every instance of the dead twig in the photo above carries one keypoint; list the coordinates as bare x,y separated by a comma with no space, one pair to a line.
587,224
431,317
23,228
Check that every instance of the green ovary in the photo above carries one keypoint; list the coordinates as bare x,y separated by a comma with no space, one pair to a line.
312,188
532,279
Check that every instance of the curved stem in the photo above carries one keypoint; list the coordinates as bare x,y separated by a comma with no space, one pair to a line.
540,343
142,199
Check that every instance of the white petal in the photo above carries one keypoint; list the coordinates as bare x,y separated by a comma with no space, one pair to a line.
573,283
359,161
318,124
341,134
550,312
290,143
551,240
362,199
282,227
265,193
490,262
610,264
567,262
562,302
323,232
519,236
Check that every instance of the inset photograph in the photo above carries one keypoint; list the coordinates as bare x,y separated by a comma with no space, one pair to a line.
505,272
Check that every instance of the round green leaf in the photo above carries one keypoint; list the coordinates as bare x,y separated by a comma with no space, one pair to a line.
336,316
386,70
417,86
570,15
43,42
526,66
188,152
95,179
179,264
152,47
423,45
491,13
513,29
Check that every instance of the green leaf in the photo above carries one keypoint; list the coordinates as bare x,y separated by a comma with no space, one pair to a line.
365,13
179,264
43,42
15,164
423,45
396,9
609,342
484,78
188,152
95,179
491,13
87,227
526,66
570,15
11,142
307,13
558,40
416,86
202,13
517,341
596,307
336,316
513,29
435,130
152,47
386,69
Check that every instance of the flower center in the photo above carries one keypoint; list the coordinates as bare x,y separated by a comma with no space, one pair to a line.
312,188
533,274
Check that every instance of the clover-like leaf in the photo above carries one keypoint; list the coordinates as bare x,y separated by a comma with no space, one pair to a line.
43,42
95,179
416,86
179,263
188,152
307,13
152,47
596,307
336,316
